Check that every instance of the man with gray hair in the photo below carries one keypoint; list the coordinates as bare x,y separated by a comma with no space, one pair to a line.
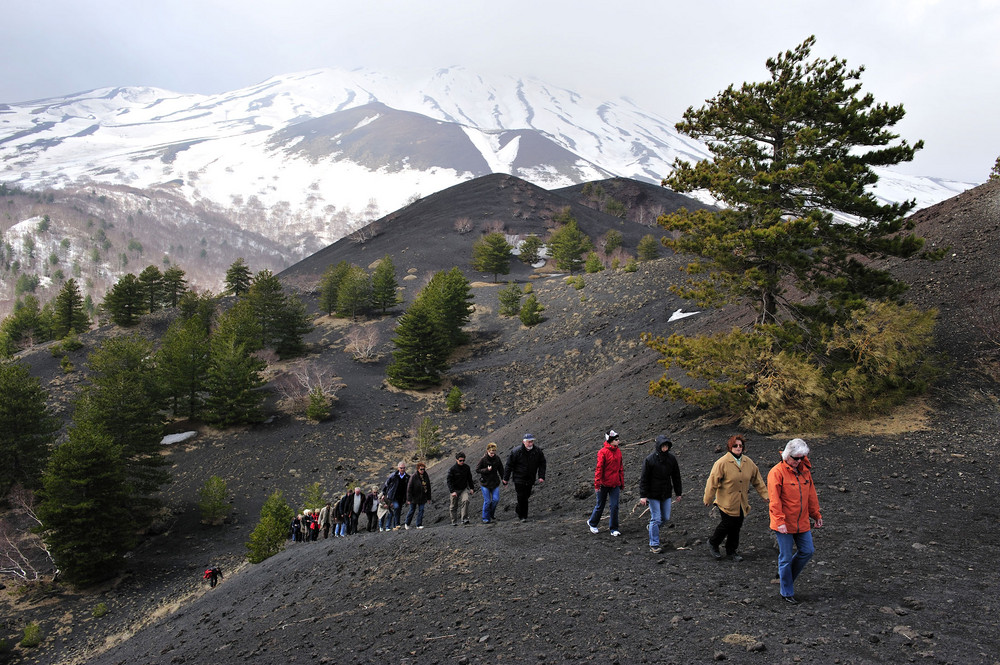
525,462
793,503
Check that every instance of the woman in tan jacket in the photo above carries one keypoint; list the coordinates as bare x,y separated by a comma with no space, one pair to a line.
728,487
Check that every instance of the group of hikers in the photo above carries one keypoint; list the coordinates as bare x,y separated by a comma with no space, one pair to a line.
793,505
789,491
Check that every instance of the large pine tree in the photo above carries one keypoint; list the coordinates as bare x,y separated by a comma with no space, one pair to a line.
421,353
183,365
238,278
384,285
124,301
68,314
86,508
234,379
787,153
492,254
568,245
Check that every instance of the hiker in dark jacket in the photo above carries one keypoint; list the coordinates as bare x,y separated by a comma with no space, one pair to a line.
418,493
461,486
395,492
661,478
350,509
371,508
490,470
524,463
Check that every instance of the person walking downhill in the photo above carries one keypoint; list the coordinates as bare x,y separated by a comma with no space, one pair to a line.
661,478
609,479
728,487
490,470
461,486
524,463
793,502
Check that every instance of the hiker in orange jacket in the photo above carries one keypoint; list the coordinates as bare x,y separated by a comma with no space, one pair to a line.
793,502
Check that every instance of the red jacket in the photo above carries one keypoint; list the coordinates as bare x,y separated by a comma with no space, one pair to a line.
609,471
792,497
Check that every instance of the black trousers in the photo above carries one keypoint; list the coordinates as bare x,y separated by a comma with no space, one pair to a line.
728,531
523,491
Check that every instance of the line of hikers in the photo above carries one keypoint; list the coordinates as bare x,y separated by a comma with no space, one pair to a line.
792,501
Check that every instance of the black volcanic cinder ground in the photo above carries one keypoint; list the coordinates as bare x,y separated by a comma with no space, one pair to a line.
904,569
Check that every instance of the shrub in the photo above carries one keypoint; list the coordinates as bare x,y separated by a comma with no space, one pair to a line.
66,364
531,311
454,400
268,537
213,501
32,636
593,263
318,409
100,610
428,439
631,266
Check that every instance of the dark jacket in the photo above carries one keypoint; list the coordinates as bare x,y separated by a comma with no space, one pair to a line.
395,487
523,465
371,502
418,490
661,476
346,506
460,478
490,479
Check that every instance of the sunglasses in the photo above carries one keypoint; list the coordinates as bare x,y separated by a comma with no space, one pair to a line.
799,458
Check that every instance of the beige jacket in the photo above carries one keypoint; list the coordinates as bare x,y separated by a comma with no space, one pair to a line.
729,483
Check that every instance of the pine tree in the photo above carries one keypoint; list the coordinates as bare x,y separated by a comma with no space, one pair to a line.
183,365
124,301
491,254
355,293
510,300
266,297
238,278
530,250
213,501
787,153
24,327
384,285
123,401
593,263
151,284
448,297
648,248
421,353
531,311
68,314
329,286
567,246
292,326
86,509
27,427
174,286
234,381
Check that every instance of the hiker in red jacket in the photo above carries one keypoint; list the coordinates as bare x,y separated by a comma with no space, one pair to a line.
609,479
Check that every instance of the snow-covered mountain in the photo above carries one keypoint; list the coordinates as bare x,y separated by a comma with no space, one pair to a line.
318,153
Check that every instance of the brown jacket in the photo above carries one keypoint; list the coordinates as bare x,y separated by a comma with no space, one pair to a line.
728,485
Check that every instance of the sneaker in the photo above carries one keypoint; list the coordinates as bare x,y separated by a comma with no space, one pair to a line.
486,521
465,521
736,557
593,529
454,523
715,551
421,526
406,526
616,533
790,600
655,549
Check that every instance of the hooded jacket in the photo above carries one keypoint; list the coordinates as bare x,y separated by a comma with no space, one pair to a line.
793,497
728,484
661,475
609,471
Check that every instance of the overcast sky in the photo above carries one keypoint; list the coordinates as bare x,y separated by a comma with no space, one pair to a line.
940,58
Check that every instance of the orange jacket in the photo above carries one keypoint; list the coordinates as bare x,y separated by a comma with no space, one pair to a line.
792,497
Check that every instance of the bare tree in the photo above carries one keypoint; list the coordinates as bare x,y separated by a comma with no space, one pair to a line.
493,226
463,225
23,554
648,216
366,233
305,377
363,343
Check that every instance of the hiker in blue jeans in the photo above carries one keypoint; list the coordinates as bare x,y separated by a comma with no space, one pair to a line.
660,479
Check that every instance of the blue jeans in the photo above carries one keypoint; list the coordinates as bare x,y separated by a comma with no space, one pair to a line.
789,564
395,514
417,508
603,495
491,497
659,515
